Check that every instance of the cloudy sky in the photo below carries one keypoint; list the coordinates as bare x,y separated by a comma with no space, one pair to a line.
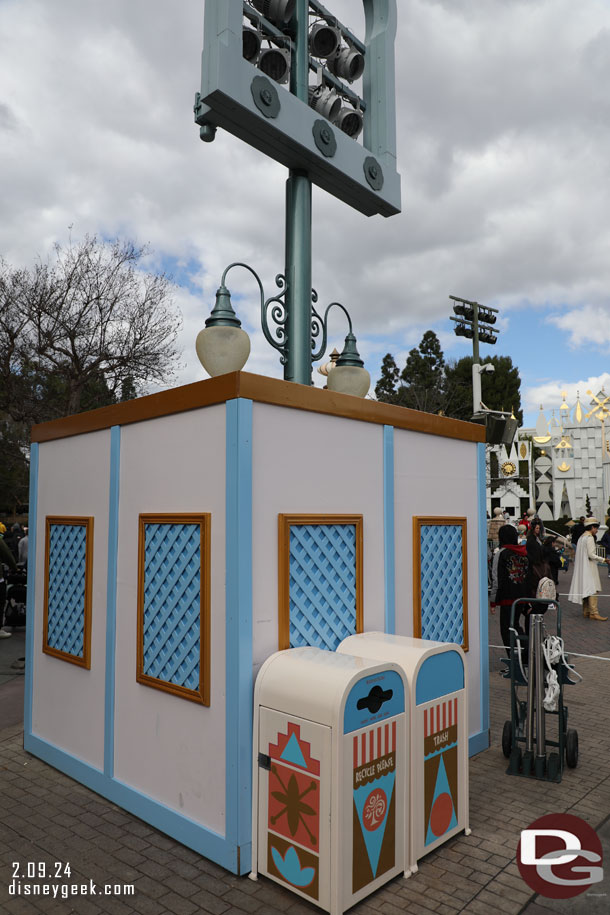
503,124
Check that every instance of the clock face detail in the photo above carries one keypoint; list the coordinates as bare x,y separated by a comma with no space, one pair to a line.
508,468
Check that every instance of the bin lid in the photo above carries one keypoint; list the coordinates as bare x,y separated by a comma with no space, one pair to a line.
410,654
315,684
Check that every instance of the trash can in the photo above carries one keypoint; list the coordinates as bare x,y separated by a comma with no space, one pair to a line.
438,766
330,786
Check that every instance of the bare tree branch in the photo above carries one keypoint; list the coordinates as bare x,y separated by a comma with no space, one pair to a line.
89,316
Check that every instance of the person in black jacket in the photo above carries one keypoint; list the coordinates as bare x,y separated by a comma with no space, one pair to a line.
551,557
578,530
509,580
6,559
535,556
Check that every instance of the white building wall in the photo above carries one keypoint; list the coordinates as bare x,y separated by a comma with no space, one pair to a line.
68,701
309,463
167,747
436,476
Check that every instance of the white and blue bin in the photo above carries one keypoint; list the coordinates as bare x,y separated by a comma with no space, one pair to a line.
330,786
438,739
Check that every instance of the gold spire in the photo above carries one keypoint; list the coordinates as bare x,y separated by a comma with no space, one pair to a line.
578,409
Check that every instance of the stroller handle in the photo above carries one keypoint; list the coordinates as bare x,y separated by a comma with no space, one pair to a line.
534,602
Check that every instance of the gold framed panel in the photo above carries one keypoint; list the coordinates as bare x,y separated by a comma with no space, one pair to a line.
285,522
87,523
200,695
425,521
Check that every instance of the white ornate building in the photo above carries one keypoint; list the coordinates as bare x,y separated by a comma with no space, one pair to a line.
556,465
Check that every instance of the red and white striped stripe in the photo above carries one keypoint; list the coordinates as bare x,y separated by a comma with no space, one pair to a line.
440,717
375,743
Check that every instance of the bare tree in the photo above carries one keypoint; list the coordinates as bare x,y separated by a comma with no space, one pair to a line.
87,325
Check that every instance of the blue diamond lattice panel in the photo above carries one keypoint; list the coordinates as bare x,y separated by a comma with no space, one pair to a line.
172,605
323,584
68,589
441,582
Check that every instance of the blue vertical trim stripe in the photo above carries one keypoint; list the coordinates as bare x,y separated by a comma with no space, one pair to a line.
483,594
389,561
31,605
111,592
239,681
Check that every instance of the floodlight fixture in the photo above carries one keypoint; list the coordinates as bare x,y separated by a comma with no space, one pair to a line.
277,11
235,94
325,101
464,310
275,63
324,40
347,64
251,44
350,121
487,336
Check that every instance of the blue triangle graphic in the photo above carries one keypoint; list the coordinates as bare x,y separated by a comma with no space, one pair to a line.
374,840
292,753
441,787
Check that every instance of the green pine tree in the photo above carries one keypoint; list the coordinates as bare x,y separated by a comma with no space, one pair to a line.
500,390
424,376
385,389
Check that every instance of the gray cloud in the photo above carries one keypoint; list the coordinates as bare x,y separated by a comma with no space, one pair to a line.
503,144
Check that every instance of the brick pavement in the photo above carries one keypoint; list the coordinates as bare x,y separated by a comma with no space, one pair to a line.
45,816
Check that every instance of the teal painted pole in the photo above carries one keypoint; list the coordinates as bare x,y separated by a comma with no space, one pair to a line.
298,226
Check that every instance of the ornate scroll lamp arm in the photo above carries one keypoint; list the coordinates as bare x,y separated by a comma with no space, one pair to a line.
349,375
350,355
278,310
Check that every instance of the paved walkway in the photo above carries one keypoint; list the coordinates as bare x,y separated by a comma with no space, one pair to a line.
45,817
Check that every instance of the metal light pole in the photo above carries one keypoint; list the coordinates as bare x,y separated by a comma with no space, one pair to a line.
470,316
256,82
298,227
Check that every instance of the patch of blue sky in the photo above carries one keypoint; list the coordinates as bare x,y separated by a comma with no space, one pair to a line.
542,352
183,271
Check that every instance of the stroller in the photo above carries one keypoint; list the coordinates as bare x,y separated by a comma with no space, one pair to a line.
16,598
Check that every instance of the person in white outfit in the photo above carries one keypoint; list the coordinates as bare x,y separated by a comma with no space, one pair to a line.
585,580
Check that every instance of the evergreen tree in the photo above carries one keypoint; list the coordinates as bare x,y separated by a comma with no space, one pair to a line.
385,389
430,384
588,507
424,376
500,390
